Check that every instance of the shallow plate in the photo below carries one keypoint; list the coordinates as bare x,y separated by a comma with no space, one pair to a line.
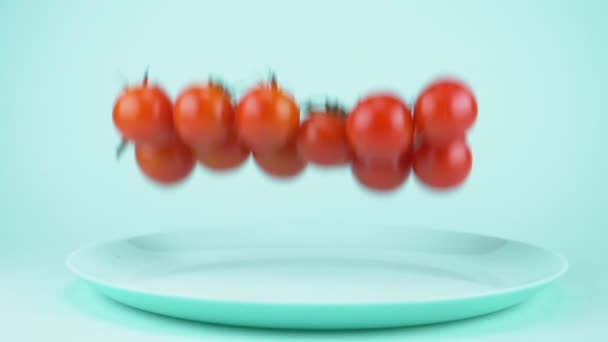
373,278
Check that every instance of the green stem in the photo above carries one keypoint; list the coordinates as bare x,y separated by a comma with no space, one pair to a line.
145,82
121,148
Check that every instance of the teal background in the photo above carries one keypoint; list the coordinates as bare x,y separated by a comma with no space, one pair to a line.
538,70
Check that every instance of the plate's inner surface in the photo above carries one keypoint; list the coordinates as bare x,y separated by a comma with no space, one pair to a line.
422,267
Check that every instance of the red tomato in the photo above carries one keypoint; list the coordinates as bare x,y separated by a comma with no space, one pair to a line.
204,115
166,164
380,127
443,166
231,155
382,176
282,163
267,118
143,114
322,139
444,111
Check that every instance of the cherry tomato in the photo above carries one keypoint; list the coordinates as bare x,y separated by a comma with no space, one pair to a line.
322,139
267,117
229,156
382,176
443,166
166,164
282,163
143,114
380,127
444,111
203,115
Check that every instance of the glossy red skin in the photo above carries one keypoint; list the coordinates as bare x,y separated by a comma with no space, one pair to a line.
229,156
283,163
204,116
322,140
443,166
380,128
143,115
267,118
382,176
167,164
444,111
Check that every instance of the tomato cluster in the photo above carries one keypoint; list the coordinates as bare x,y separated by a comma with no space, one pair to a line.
381,139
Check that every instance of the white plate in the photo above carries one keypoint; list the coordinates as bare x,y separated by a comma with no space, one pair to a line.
372,278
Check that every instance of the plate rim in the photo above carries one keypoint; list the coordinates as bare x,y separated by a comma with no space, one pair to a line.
536,284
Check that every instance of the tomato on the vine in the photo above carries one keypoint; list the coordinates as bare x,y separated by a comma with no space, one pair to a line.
443,166
322,138
230,155
165,164
143,114
282,163
267,117
444,111
380,128
203,115
382,176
